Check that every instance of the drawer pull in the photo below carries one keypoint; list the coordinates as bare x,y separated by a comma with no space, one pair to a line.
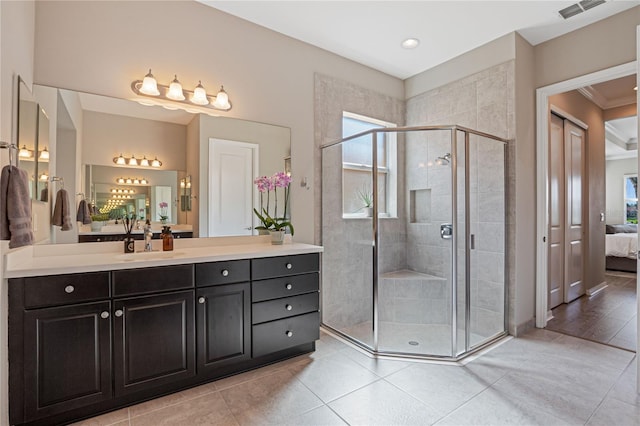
69,289
288,286
201,300
289,307
119,313
104,315
225,272
289,333
289,266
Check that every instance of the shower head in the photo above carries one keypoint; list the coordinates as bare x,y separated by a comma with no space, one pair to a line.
444,160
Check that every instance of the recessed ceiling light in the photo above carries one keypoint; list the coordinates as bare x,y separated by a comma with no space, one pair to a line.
410,43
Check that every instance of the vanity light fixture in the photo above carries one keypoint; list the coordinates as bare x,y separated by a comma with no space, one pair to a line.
123,191
149,87
133,161
44,177
130,181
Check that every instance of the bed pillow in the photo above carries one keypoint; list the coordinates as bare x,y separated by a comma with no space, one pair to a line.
629,228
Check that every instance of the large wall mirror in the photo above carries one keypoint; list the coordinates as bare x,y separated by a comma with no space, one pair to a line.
125,158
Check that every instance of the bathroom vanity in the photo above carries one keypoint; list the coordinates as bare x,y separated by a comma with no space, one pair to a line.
109,330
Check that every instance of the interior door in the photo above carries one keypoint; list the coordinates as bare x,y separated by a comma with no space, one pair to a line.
566,188
232,166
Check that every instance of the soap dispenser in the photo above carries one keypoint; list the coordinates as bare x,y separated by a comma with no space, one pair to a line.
167,239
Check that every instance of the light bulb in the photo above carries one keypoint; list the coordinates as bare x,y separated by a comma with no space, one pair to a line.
156,162
44,155
175,90
133,161
144,162
222,100
120,160
149,85
199,95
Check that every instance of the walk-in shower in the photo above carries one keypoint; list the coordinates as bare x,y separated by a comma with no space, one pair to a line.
413,225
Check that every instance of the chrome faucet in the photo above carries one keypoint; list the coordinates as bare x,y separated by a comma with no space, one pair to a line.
148,235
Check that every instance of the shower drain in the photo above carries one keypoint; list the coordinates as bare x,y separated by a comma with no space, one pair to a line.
413,343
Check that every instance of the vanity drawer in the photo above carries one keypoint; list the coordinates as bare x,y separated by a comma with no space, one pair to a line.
65,289
214,273
284,287
275,336
272,267
147,280
285,307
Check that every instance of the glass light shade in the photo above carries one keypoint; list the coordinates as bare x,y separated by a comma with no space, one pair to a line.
143,182
44,155
24,152
120,160
175,90
199,95
156,162
182,183
222,99
120,180
44,177
129,181
144,162
133,161
113,191
136,181
149,85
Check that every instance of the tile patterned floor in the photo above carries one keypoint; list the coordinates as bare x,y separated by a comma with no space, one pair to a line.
543,378
608,317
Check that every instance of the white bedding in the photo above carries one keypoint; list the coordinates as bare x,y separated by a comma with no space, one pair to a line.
621,245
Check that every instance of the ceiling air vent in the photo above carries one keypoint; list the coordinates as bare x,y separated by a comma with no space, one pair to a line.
577,8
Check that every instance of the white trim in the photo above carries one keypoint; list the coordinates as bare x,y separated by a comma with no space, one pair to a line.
542,140
597,289
562,113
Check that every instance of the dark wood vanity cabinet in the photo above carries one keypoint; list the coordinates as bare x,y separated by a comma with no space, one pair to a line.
81,344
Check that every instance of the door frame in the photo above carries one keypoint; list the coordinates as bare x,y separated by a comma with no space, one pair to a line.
542,141
255,153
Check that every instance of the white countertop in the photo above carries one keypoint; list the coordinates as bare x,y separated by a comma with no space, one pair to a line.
108,256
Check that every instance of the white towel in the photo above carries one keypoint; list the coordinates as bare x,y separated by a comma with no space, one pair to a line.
15,207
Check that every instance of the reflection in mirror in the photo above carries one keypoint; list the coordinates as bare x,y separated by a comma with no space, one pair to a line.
27,134
41,156
108,128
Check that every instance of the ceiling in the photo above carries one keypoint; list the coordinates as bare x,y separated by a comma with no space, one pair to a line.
370,32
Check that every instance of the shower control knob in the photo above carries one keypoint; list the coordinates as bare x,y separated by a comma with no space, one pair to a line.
289,266
225,272
288,286
289,307
289,333
104,315
69,289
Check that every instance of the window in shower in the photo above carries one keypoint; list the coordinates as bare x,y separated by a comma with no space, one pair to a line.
357,168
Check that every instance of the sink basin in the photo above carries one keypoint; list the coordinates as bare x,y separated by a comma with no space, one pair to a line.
148,255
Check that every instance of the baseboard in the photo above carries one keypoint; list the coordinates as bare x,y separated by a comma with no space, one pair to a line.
549,315
522,328
597,289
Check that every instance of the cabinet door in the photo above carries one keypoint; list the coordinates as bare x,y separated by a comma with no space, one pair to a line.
67,358
224,325
153,341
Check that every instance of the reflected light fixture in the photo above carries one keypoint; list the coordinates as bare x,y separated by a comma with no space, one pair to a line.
133,161
149,88
144,162
24,152
120,160
129,181
44,155
156,162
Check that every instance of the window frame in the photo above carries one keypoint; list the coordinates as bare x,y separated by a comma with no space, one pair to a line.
624,196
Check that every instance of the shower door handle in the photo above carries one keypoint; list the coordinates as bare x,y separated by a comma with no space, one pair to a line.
446,231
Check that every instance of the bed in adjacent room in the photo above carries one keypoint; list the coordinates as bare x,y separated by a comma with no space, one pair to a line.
621,247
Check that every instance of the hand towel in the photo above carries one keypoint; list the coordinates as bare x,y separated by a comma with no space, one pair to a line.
44,194
15,207
83,215
61,214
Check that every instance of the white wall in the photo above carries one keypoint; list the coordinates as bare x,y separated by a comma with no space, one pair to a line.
269,77
615,171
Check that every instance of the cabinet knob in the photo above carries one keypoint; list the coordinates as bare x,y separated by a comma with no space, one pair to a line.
289,333
289,307
288,286
225,272
119,313
69,289
104,315
201,300
289,266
